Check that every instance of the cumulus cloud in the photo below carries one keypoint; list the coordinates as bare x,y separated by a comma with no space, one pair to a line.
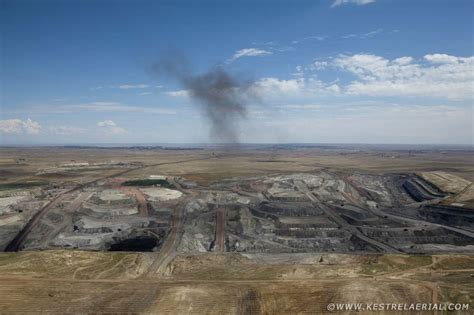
444,76
249,52
273,87
437,76
403,60
358,2
443,58
18,126
110,128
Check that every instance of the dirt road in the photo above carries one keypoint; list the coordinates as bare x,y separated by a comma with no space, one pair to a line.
343,223
220,230
168,248
71,208
139,197
16,243
21,295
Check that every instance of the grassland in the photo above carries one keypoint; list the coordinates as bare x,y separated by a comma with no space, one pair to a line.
218,164
85,282
73,264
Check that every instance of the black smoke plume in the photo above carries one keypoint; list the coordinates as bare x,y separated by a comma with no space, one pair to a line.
222,97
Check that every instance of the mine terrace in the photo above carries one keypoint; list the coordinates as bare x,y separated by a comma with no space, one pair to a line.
308,209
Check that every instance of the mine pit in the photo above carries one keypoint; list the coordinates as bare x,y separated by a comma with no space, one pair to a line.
290,213
142,243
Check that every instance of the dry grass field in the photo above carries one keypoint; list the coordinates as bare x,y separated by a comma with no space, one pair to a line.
213,164
85,282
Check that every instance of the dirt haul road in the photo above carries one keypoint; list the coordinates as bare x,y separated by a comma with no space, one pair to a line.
220,230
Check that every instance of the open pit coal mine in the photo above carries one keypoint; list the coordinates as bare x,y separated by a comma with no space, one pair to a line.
290,213
322,212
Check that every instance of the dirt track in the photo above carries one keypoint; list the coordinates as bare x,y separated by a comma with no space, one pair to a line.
233,290
138,195
168,249
198,296
341,222
220,230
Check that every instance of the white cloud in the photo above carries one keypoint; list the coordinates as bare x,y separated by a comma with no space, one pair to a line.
442,58
299,87
132,86
106,123
318,65
313,37
358,2
110,128
179,93
112,107
444,77
66,130
333,88
116,107
364,35
31,127
122,87
11,126
18,126
301,106
249,52
436,76
403,60
272,85
144,93
298,71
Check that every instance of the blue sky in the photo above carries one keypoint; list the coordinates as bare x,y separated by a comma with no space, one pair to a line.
328,71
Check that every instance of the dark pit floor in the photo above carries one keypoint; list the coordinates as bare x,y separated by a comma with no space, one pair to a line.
137,244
